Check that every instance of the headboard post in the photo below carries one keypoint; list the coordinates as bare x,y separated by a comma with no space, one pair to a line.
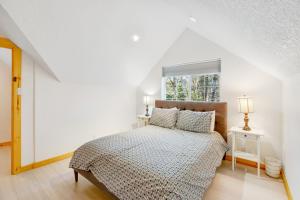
219,107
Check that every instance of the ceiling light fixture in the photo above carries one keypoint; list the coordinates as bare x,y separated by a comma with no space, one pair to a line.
193,19
135,38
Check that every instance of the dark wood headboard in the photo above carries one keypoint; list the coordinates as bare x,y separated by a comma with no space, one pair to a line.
220,108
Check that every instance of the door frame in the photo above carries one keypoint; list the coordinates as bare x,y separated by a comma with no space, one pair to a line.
15,104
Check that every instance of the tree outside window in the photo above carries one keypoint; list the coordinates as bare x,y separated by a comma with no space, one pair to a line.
192,87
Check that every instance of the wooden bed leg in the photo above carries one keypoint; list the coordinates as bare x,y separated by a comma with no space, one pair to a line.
76,176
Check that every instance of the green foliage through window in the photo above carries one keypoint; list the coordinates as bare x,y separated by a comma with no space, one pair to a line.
192,87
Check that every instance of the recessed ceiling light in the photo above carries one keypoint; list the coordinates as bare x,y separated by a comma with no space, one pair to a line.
193,19
135,38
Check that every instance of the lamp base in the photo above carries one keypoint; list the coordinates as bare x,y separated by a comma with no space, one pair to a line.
246,120
147,111
246,128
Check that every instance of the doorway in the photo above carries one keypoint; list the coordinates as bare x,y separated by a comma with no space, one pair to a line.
14,52
5,109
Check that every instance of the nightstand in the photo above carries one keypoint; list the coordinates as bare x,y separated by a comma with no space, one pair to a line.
143,120
254,135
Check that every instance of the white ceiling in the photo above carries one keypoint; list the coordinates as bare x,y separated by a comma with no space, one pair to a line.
89,41
9,29
266,33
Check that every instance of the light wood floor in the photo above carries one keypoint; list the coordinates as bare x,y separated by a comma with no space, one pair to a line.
56,182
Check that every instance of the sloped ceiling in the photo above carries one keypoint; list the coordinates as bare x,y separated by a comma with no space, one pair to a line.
89,41
9,29
266,33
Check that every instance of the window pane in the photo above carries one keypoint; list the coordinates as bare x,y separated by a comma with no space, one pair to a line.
171,88
193,87
177,88
183,88
205,87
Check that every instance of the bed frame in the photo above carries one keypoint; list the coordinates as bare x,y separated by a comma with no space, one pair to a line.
220,126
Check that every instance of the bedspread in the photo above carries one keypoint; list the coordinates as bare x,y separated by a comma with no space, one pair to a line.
153,162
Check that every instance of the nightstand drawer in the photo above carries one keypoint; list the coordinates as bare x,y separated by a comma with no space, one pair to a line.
246,136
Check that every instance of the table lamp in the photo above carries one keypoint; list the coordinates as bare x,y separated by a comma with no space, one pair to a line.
245,104
147,101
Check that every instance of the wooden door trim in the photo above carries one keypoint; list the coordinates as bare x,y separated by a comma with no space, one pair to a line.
15,104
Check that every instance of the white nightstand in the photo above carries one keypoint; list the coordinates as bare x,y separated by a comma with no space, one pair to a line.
143,120
248,135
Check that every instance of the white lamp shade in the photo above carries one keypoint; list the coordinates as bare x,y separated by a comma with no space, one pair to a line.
147,100
245,104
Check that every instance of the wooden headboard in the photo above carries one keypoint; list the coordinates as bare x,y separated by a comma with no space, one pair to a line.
220,108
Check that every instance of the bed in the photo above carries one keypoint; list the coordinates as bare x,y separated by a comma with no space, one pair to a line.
154,162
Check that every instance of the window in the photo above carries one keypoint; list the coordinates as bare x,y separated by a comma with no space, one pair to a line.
192,82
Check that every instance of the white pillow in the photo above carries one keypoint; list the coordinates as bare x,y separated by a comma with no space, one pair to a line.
164,117
201,122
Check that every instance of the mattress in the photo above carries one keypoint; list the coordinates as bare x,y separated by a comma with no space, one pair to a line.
153,162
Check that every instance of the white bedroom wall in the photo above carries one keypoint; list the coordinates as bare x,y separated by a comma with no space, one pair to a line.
238,77
59,117
68,114
291,134
5,96
27,112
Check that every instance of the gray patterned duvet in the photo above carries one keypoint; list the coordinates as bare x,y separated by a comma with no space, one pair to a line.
153,162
